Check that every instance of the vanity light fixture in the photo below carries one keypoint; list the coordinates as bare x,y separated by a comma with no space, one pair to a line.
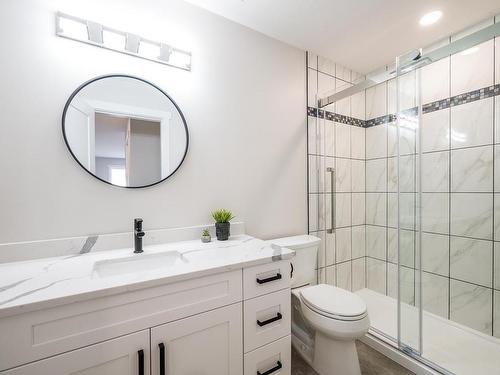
431,18
93,33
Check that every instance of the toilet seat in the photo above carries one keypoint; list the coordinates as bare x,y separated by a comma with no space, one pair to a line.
334,303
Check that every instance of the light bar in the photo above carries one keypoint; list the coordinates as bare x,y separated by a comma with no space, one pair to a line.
93,33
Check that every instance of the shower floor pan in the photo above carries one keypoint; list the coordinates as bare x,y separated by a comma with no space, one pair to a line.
452,346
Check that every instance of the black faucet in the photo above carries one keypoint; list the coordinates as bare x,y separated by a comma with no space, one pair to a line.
138,234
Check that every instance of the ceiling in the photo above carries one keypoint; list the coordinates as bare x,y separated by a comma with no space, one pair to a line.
360,34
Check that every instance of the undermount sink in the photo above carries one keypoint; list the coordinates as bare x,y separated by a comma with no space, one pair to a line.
137,263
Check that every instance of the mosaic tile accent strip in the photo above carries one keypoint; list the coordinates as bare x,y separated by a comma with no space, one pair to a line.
468,97
331,116
380,120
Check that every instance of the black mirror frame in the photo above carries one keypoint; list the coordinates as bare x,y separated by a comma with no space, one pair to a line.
68,102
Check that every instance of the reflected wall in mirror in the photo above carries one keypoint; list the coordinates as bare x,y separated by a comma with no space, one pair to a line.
125,131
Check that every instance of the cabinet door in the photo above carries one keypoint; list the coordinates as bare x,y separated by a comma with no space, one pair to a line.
127,355
204,344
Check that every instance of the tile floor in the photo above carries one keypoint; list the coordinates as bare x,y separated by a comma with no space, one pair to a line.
371,361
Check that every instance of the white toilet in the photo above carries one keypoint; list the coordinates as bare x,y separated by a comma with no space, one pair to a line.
326,320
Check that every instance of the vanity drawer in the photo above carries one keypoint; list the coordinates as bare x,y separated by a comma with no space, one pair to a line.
276,355
45,333
266,278
266,319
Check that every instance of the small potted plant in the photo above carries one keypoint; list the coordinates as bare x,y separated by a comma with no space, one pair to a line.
222,218
205,236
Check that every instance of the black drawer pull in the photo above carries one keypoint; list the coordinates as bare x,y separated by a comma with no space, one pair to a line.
271,370
272,278
162,358
140,355
268,321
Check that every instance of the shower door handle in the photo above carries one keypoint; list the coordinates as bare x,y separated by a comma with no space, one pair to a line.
333,194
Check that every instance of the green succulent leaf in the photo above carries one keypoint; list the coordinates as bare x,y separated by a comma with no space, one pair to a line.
222,216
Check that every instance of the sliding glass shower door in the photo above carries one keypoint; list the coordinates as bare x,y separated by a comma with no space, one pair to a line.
405,205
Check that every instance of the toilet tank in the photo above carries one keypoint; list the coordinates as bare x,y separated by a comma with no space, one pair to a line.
305,261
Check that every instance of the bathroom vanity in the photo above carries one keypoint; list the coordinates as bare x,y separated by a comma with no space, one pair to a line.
178,308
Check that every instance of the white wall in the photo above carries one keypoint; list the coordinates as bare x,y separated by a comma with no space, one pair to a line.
243,101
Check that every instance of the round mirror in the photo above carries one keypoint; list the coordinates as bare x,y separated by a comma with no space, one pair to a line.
125,131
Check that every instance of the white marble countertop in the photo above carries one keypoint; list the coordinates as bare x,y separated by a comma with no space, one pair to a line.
49,282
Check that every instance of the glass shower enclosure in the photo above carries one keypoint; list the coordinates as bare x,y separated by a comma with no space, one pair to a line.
432,153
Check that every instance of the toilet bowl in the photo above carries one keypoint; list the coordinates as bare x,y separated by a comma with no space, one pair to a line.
326,320
338,318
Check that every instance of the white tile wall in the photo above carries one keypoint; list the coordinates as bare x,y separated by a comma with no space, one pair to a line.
435,171
472,215
344,275
471,305
435,81
435,212
376,208
358,168
312,85
472,169
497,59
376,142
343,209
343,106
496,269
329,138
392,280
342,140
343,244
330,250
497,119
435,128
343,175
358,142
376,175
342,72
376,275
376,101
435,291
358,241
435,253
358,208
392,174
407,91
313,135
330,275
472,124
321,250
465,252
312,61
333,145
314,168
392,96
376,242
358,274
326,65
478,59
358,105
496,316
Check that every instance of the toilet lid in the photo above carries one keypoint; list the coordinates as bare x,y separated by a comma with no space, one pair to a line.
333,301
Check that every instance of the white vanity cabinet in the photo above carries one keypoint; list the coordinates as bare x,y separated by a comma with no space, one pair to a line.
126,355
228,323
208,343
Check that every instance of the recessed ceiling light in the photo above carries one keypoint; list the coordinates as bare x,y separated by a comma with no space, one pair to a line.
431,18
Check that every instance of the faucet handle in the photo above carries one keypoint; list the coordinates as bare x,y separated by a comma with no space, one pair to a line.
138,224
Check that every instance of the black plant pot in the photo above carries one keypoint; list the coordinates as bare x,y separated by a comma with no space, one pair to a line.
222,231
